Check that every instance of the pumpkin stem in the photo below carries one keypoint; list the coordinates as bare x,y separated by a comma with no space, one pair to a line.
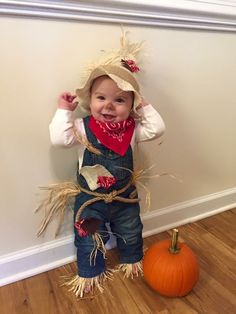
174,249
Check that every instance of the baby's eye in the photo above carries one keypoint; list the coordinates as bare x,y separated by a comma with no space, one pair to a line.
101,97
120,100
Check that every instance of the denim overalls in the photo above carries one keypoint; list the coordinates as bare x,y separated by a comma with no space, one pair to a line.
124,218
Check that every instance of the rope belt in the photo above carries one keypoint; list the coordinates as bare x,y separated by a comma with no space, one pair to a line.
106,197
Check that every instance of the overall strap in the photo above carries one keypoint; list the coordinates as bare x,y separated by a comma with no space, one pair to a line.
90,136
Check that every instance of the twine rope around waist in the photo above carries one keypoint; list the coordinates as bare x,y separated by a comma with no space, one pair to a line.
106,197
59,195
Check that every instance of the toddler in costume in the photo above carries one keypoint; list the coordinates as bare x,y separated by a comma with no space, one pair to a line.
118,118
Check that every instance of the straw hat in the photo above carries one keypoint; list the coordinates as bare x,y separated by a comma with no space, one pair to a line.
120,66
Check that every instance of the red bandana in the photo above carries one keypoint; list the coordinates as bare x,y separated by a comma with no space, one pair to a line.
115,136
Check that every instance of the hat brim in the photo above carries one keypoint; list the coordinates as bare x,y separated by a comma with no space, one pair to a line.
121,76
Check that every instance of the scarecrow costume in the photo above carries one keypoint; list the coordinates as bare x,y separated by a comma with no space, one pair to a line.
105,191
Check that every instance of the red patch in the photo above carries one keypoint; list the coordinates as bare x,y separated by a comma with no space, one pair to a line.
105,181
81,231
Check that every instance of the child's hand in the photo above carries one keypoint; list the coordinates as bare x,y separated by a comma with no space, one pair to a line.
65,101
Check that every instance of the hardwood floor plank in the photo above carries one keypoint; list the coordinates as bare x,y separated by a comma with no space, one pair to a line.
214,255
222,227
14,299
147,300
41,295
210,296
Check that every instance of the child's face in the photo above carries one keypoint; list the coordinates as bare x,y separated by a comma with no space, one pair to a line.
108,102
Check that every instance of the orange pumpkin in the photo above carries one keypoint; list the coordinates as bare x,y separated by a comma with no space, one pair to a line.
171,268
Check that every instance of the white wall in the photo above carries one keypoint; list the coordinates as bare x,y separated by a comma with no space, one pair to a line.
189,77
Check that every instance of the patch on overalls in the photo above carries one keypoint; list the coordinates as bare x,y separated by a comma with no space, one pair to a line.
87,226
91,174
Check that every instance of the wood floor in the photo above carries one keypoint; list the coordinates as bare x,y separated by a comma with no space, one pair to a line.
212,239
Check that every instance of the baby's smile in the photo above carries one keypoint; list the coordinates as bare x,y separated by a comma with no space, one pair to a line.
108,117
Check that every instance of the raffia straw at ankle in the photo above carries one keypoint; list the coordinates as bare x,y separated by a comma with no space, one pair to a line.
78,285
131,270
56,202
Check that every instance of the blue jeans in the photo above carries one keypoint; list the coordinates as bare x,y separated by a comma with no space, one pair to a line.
124,221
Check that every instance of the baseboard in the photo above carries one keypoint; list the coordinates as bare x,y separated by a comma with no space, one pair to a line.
35,260
29,262
186,212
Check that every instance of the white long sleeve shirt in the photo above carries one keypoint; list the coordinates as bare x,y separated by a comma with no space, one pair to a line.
61,128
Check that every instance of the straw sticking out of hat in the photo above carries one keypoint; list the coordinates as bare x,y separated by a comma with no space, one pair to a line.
121,66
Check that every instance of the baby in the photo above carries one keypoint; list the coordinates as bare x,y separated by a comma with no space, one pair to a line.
105,140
